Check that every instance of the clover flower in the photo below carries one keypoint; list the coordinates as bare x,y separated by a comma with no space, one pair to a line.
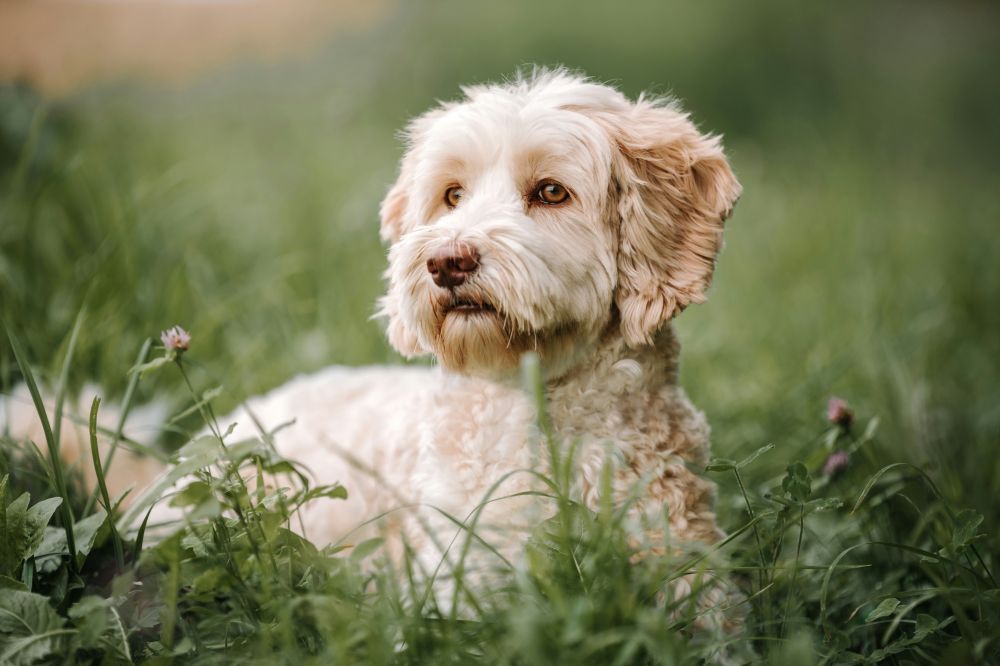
838,412
176,339
836,463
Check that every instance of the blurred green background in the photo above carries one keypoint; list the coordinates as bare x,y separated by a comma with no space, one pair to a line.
862,260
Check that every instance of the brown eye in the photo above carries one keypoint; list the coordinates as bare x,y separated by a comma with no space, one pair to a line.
552,193
453,195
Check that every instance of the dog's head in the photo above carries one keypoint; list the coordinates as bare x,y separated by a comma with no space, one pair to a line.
537,214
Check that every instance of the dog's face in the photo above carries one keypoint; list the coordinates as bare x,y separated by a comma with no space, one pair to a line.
544,214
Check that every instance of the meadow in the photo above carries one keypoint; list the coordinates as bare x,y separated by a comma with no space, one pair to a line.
861,263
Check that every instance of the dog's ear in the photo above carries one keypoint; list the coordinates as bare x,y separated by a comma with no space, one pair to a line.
673,189
400,337
395,209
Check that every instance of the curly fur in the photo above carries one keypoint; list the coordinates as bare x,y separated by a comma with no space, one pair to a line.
590,285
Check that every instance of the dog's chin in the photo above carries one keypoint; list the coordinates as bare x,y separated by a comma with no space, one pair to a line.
474,340
480,341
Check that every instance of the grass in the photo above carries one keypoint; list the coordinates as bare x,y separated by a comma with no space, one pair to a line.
860,262
235,583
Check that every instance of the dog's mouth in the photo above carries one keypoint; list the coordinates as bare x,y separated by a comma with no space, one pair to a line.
469,306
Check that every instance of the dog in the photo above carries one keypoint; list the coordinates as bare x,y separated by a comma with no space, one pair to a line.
551,215
547,215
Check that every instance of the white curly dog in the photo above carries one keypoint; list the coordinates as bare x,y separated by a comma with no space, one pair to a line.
551,215
548,214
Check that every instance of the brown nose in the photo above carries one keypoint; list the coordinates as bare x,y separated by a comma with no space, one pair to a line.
452,264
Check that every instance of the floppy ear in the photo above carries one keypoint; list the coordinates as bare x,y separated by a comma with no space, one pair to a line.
396,217
393,212
400,337
673,189
393,207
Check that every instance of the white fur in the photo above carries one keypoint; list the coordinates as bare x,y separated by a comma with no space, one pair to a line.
589,285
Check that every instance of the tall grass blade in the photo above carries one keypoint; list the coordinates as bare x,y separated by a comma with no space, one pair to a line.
57,470
116,439
141,535
64,374
102,484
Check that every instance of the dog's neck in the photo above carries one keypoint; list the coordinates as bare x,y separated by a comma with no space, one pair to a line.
620,369
614,375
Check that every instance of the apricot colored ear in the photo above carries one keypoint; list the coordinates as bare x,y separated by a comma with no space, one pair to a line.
674,191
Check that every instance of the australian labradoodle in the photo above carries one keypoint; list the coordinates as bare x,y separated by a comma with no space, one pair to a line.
552,215
549,215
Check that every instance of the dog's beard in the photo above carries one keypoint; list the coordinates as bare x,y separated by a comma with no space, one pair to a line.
474,335
478,343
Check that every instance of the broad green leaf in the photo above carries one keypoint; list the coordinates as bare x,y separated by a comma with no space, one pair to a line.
192,494
91,619
207,445
366,548
194,456
796,484
30,649
22,530
926,624
29,628
753,456
280,467
92,529
885,609
145,368
335,491
99,627
50,550
275,500
115,641
720,465
196,542
825,504
966,523
89,531
212,580
12,534
36,520
19,507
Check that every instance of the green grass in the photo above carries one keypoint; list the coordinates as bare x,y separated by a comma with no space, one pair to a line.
860,262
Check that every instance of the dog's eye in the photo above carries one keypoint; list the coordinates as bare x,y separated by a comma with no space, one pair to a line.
552,193
453,195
